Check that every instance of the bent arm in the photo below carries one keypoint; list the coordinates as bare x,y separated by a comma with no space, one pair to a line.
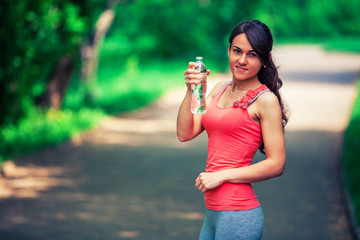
188,125
273,137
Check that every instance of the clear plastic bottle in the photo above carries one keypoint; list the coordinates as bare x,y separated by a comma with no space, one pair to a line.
198,91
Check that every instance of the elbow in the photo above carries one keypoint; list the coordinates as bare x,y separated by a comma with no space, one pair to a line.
279,171
181,134
277,168
183,138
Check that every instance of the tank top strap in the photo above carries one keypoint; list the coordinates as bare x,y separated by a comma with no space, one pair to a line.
258,95
225,85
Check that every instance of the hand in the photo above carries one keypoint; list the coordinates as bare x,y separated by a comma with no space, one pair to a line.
208,181
192,76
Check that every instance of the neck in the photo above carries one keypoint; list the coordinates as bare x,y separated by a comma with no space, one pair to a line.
245,85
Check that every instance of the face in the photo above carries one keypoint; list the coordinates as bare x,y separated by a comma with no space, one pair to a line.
244,62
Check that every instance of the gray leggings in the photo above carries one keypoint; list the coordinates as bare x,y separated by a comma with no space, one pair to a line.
231,225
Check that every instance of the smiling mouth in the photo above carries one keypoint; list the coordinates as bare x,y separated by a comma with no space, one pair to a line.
240,68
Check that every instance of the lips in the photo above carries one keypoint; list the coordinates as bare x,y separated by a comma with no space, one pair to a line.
241,69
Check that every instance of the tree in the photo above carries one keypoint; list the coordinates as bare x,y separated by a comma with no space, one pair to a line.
36,35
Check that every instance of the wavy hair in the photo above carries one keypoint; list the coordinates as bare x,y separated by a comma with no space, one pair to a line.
261,40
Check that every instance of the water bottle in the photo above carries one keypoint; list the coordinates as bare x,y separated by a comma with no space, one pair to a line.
198,91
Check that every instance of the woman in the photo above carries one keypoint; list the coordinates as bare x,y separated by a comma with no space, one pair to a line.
243,115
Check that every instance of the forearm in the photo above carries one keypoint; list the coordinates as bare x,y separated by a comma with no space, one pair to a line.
188,124
257,172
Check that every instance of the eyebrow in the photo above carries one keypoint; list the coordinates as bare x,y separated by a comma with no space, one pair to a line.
250,51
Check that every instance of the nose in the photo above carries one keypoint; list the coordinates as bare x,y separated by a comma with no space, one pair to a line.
243,59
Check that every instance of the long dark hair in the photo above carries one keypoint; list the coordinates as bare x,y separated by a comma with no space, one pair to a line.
261,40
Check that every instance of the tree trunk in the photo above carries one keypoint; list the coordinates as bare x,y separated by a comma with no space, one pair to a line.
58,82
61,74
89,51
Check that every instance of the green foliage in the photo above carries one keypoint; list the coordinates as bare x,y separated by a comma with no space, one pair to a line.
34,36
345,44
127,86
351,154
311,18
42,129
118,91
179,29
185,29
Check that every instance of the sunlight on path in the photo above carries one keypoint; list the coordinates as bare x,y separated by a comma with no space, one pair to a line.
318,86
29,181
318,106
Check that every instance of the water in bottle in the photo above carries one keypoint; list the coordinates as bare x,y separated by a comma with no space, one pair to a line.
198,91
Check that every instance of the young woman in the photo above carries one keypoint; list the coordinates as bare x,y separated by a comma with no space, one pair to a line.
243,115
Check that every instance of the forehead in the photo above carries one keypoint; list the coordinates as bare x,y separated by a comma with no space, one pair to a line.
242,42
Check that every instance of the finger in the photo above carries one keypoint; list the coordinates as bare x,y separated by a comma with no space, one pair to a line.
192,72
203,189
202,80
192,81
193,76
197,182
192,65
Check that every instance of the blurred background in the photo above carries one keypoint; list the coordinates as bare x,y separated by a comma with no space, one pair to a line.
65,65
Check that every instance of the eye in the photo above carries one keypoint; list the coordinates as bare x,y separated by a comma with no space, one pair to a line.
237,51
253,55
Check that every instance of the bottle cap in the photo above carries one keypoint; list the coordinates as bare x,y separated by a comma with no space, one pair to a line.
199,58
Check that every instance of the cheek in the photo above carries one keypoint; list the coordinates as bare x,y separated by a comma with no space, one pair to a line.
259,68
256,65
231,62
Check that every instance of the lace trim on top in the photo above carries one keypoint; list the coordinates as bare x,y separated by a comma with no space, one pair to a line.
249,97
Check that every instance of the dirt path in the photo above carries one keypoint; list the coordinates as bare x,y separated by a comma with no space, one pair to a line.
132,179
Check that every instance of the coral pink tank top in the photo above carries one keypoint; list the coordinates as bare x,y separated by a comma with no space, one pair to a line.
234,138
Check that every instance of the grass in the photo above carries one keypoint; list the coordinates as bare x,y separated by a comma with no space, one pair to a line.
351,155
44,128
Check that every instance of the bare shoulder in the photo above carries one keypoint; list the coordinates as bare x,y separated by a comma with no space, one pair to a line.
217,87
268,98
268,103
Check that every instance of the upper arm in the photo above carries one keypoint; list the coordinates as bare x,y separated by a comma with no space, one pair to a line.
271,126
